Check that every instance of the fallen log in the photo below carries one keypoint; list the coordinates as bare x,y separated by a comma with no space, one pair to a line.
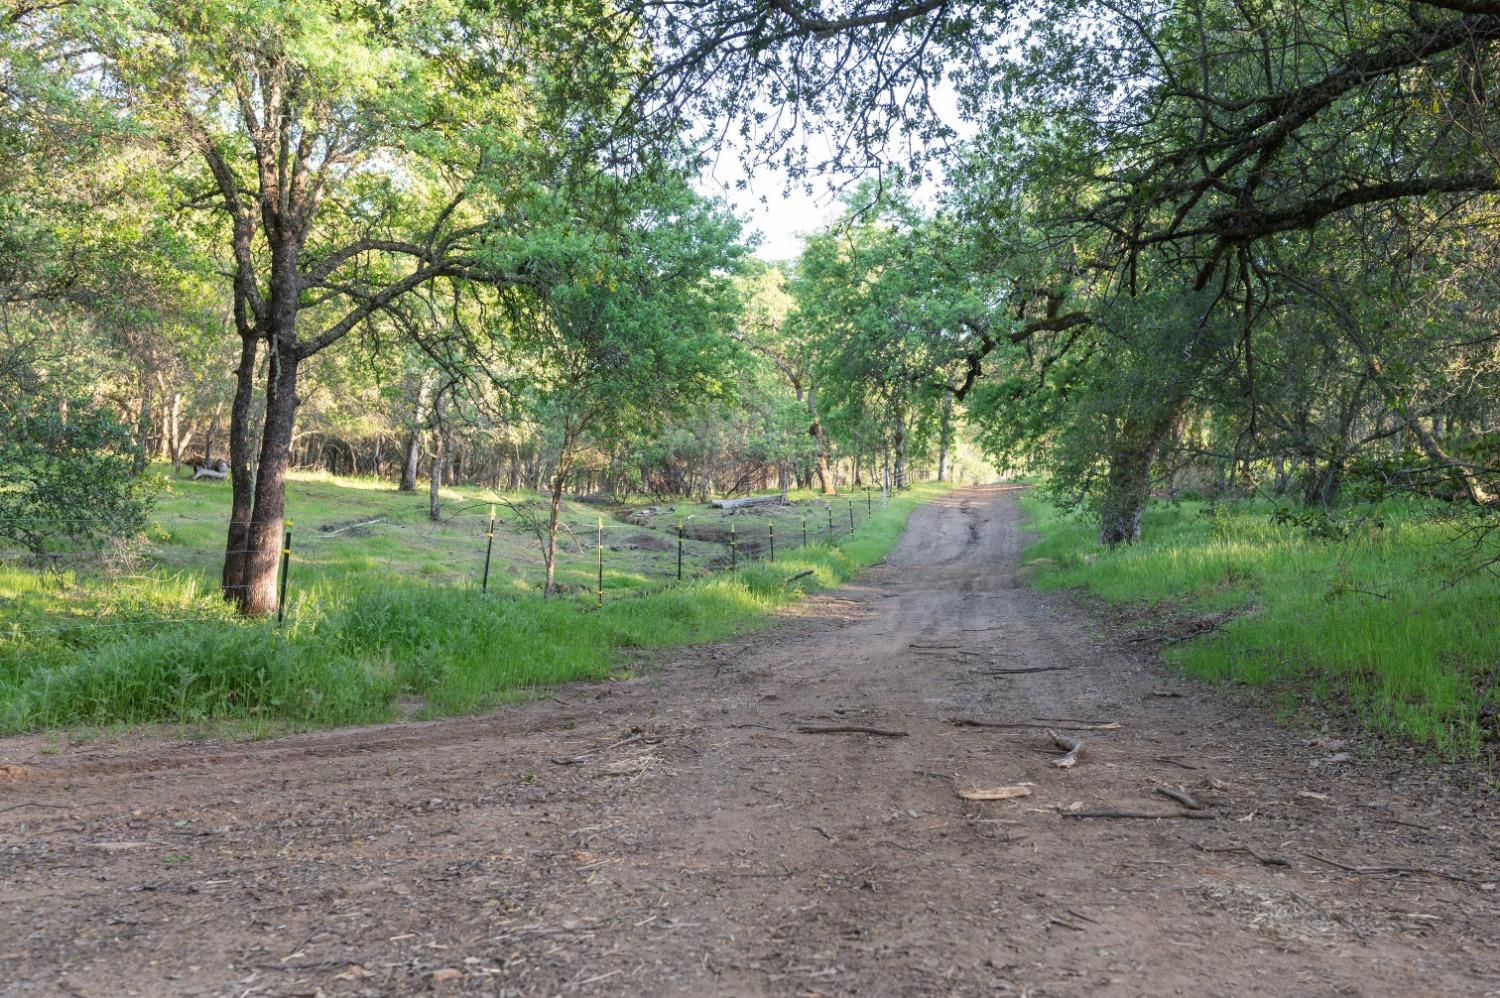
746,502
1200,815
851,729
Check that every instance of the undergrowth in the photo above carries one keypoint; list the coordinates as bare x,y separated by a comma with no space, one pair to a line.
371,650
1372,623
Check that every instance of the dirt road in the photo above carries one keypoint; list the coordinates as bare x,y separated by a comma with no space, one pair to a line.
677,833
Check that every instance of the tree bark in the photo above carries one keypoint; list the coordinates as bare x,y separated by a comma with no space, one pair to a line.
258,596
439,454
820,435
945,438
241,469
554,519
413,454
1128,486
900,447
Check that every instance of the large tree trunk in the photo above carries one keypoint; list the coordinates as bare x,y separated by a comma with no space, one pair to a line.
945,438
409,461
176,439
1128,486
213,434
259,596
900,447
554,519
241,469
1323,482
439,454
825,476
143,424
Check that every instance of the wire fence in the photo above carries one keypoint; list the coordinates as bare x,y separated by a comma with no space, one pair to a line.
640,557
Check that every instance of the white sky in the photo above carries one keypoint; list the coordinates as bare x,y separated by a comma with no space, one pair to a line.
784,213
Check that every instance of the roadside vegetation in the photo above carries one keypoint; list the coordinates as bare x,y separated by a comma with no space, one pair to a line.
388,625
1374,622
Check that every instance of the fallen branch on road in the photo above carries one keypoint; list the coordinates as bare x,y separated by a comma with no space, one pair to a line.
996,793
1199,815
1074,746
969,722
1181,797
851,729
1028,669
1263,860
1371,870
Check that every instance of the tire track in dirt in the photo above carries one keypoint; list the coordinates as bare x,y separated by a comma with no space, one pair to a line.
700,845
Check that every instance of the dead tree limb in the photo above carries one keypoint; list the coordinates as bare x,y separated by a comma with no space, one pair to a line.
1198,815
1263,860
1185,799
1373,870
1074,747
851,729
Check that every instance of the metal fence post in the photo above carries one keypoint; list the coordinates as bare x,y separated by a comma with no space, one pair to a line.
851,514
734,558
771,533
804,530
601,561
489,549
828,508
286,565
679,552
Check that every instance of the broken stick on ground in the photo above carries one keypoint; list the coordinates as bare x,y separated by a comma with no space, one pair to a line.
1074,747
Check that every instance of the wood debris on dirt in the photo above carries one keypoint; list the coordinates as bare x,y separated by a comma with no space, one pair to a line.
1182,797
851,729
1043,723
1073,747
997,793
1399,869
1144,815
1264,860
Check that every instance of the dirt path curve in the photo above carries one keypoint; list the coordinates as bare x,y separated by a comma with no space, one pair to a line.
676,834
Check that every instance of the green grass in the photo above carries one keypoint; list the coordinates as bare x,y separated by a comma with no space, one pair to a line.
1418,661
389,627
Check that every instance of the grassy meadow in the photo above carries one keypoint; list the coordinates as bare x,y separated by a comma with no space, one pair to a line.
385,616
1372,625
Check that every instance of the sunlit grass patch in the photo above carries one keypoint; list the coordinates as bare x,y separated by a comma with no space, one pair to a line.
374,627
1372,624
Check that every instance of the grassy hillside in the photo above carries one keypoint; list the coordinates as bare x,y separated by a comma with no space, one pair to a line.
1369,624
385,615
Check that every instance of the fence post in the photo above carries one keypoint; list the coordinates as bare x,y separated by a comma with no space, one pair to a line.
771,533
286,565
679,552
804,530
489,548
828,508
869,501
734,558
851,514
601,561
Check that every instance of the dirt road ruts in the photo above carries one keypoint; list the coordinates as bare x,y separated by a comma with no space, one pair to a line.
677,834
